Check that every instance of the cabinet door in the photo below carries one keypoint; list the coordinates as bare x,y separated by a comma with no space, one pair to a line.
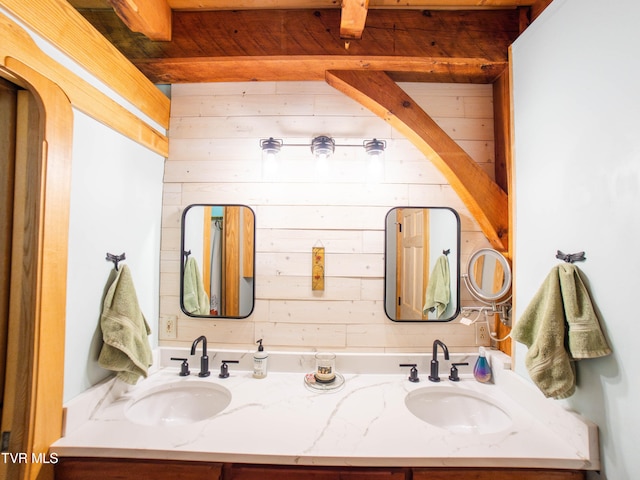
496,474
266,472
123,469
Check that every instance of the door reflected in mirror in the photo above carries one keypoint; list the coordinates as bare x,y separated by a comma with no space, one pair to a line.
218,261
422,264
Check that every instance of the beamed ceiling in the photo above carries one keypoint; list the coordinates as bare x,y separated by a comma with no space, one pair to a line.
360,47
177,41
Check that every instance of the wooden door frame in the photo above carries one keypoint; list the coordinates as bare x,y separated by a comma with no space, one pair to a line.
44,409
231,256
8,126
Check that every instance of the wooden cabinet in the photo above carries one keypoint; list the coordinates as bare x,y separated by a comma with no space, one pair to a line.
496,474
267,472
69,468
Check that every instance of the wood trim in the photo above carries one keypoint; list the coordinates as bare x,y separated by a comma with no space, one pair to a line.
538,7
62,25
18,44
231,230
24,292
248,236
509,348
426,258
50,268
152,18
206,250
486,201
502,129
8,105
502,114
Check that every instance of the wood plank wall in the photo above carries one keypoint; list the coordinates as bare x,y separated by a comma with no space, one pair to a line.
215,158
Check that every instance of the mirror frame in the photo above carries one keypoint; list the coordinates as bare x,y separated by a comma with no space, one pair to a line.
472,284
457,283
183,259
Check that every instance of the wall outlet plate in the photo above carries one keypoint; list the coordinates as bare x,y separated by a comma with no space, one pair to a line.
482,334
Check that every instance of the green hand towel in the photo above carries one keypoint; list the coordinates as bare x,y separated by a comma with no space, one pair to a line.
438,292
558,326
542,329
194,298
586,339
125,331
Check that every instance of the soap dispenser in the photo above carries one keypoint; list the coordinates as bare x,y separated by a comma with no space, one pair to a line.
482,369
260,362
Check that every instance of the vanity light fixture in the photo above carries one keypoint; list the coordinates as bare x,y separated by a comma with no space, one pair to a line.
322,147
270,148
374,148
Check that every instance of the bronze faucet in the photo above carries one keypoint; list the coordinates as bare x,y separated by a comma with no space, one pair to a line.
434,377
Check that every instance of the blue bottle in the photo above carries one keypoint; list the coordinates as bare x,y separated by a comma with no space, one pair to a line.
482,370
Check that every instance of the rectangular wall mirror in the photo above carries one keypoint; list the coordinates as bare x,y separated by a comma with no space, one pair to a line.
218,261
422,264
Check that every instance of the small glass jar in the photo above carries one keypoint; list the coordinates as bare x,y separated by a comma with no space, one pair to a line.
325,367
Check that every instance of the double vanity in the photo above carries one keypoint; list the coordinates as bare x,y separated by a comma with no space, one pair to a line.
376,418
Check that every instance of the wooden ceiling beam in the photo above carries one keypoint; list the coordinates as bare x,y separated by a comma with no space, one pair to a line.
19,47
486,201
152,18
352,18
62,26
289,4
313,68
446,46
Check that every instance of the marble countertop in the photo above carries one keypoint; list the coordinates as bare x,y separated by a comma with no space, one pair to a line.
279,420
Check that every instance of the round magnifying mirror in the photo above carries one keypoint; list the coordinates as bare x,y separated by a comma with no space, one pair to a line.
489,275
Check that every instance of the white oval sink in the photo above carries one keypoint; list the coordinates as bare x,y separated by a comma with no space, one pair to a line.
457,410
178,403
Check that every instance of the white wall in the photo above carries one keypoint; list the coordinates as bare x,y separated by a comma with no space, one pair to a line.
215,158
115,207
116,196
577,172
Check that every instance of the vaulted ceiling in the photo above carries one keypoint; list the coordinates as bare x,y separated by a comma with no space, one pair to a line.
173,41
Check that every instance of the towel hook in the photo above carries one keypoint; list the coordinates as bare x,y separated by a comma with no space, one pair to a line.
115,258
571,257
446,252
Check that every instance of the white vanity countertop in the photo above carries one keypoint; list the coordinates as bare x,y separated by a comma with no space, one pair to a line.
278,420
